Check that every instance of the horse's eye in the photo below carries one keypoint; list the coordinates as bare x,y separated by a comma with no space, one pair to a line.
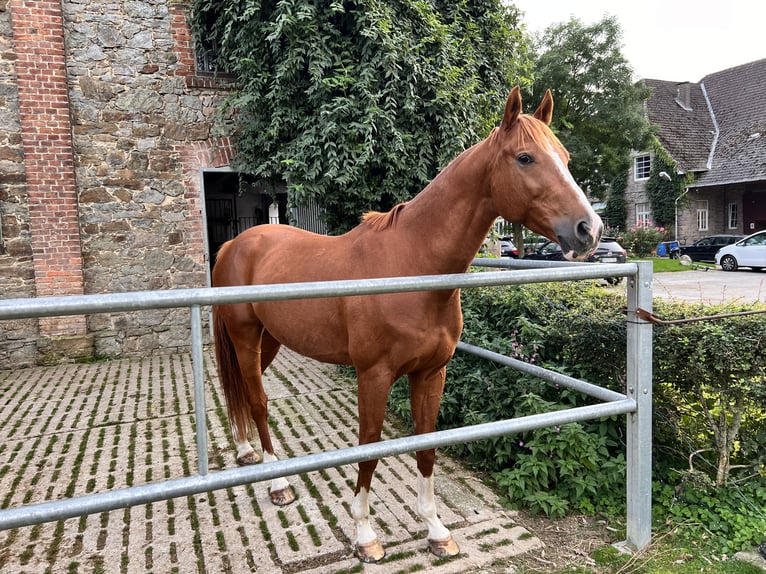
525,159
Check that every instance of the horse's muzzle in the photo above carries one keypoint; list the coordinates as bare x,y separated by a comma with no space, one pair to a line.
581,240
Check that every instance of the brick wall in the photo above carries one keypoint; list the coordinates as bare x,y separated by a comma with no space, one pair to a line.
46,133
113,130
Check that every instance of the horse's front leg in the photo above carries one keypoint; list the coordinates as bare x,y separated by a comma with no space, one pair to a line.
372,398
425,396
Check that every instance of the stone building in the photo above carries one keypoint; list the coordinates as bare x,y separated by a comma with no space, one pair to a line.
716,130
109,163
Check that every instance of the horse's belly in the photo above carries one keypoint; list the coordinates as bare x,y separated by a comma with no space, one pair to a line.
311,328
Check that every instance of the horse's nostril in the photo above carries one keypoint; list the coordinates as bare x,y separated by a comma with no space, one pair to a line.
583,231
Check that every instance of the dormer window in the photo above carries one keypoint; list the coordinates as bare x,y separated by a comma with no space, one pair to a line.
642,166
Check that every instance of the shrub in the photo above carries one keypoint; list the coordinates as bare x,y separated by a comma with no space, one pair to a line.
641,240
704,372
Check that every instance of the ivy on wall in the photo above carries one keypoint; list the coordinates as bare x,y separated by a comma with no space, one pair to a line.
616,211
666,194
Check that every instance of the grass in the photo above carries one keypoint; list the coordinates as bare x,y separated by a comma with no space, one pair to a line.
663,556
667,265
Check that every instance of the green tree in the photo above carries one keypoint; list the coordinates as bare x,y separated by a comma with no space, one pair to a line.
599,109
356,105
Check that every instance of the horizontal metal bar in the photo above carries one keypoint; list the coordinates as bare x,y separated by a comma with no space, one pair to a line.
153,492
139,300
542,373
623,269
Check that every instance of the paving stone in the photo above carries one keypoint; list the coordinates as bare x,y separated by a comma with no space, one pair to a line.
71,430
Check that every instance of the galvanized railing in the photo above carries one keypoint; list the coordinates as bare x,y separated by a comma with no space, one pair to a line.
636,402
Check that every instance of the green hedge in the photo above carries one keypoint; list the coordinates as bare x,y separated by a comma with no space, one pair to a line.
709,380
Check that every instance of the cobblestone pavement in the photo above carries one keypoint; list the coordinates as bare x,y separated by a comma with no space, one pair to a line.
75,429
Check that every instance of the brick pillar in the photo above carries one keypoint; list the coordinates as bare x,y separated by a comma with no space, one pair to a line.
46,131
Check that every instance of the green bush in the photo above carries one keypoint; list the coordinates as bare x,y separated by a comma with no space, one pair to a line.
641,241
709,381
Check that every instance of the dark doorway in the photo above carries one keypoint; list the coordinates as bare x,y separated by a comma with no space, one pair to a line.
234,204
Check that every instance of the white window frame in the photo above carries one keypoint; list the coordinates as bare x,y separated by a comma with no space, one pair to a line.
642,166
643,214
733,215
702,215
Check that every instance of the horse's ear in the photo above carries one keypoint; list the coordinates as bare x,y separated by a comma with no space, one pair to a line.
544,112
512,109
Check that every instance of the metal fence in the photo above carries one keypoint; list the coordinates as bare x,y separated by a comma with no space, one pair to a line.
635,403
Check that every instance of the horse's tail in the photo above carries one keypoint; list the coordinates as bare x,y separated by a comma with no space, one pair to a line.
233,384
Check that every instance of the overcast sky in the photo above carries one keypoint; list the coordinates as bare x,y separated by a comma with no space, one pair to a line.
675,40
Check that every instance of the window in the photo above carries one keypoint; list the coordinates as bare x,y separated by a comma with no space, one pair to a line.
206,57
702,214
642,214
643,164
733,216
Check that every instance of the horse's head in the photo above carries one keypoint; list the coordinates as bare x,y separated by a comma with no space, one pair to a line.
531,184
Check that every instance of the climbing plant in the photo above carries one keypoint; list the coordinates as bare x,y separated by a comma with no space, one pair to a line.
616,211
356,105
665,195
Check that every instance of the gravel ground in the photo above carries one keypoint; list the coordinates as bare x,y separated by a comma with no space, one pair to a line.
71,430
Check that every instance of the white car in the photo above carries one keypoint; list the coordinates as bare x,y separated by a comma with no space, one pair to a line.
747,252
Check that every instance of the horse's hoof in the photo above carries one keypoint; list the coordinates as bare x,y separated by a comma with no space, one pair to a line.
251,457
282,497
370,552
444,547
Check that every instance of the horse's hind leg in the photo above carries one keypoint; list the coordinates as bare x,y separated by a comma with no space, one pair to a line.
425,395
254,354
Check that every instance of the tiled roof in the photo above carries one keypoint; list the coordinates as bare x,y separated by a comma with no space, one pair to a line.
686,129
737,97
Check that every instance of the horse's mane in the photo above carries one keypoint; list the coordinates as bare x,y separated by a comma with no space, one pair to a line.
379,221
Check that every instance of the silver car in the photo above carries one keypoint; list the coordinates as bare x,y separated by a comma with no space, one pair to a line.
747,252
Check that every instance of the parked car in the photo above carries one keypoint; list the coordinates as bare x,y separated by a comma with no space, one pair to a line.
508,249
747,252
704,249
549,251
608,251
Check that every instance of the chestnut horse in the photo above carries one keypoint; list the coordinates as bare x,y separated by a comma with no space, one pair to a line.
519,172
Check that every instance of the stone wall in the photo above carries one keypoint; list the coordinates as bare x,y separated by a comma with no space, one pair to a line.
142,125
17,277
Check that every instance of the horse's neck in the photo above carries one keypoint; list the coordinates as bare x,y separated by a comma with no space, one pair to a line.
451,217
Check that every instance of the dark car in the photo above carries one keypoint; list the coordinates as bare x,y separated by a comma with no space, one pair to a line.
608,251
705,249
549,251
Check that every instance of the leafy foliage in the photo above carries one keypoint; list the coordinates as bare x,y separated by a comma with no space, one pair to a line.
664,194
599,114
356,105
729,518
713,388
550,466
616,211
705,373
641,240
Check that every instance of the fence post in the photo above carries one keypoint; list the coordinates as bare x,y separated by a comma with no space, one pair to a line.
639,423
198,373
